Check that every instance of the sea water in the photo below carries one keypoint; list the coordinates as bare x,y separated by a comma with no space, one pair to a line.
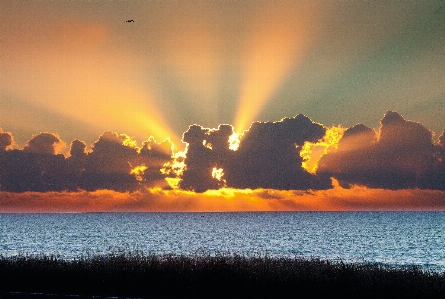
395,238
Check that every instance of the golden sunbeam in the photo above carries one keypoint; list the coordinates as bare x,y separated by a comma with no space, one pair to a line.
90,94
74,74
123,109
279,36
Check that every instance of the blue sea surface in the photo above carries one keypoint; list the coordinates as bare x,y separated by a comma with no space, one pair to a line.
395,238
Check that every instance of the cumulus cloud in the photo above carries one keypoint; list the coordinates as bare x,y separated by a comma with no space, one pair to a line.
44,143
435,176
28,171
75,165
6,140
36,167
109,165
152,158
267,156
206,149
402,155
78,149
18,172
357,137
111,153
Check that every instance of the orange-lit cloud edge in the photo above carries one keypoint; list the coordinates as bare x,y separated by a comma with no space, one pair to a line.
354,198
225,200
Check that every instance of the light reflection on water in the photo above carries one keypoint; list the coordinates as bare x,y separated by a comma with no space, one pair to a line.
400,238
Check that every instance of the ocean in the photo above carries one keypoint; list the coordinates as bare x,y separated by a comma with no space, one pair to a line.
395,238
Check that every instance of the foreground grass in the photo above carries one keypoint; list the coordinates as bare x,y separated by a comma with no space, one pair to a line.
151,276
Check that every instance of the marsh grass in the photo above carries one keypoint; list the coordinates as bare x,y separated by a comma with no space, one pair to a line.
222,276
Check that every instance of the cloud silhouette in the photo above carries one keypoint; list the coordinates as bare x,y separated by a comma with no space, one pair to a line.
112,153
6,140
153,156
206,149
267,156
402,155
78,149
19,171
113,158
22,171
44,143
35,168
435,176
109,165
75,165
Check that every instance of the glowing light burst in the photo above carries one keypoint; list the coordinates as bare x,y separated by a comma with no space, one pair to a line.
218,173
234,141
174,169
128,141
138,171
312,152
173,182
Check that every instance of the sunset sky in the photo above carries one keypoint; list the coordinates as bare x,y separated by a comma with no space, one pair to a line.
342,105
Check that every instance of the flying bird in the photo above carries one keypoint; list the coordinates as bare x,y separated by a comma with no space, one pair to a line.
129,21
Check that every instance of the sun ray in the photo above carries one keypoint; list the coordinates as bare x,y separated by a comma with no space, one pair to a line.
279,36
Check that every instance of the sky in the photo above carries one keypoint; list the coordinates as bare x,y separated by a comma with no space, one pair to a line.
268,105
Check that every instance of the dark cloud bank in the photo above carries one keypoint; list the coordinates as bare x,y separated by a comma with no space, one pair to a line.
402,155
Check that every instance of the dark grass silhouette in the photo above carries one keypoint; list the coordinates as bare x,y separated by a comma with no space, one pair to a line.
221,276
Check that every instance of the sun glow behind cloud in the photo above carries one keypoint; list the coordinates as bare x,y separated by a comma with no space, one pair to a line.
214,62
138,171
218,173
79,69
74,76
312,152
226,200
